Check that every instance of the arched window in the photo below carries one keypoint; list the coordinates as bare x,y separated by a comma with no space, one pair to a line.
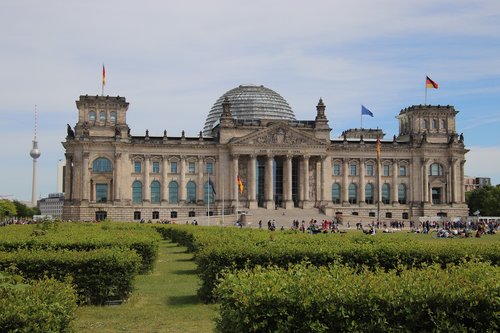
336,193
434,123
353,193
402,194
92,116
102,165
155,191
435,170
191,192
209,193
137,192
102,116
173,192
386,194
369,193
443,124
112,117
425,124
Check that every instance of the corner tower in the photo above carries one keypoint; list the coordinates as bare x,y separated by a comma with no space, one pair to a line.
101,116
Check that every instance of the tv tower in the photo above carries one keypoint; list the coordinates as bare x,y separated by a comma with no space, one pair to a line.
35,154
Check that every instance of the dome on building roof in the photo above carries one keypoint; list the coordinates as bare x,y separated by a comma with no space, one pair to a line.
250,102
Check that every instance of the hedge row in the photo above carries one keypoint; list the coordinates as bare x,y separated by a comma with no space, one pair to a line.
306,298
98,275
220,248
83,237
41,306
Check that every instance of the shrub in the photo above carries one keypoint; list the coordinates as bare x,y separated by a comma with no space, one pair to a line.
41,306
306,298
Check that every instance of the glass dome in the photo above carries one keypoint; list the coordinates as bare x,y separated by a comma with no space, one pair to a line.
250,102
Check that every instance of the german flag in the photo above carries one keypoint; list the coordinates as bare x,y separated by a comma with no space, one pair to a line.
103,75
240,184
430,84
378,148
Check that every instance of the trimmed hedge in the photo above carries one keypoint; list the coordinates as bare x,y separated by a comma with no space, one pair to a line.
98,275
41,306
79,236
219,248
306,298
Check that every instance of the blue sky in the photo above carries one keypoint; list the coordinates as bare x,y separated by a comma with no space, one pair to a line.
173,59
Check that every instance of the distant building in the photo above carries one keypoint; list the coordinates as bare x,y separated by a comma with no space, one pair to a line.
52,206
254,155
474,183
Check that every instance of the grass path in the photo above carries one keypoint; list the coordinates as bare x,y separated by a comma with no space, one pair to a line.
162,301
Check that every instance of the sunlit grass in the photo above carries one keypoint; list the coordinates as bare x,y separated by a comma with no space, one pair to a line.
163,301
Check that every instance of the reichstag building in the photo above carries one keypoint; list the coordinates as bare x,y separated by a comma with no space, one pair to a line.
253,154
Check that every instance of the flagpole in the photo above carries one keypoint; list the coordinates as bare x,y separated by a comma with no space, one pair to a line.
222,200
379,180
425,91
361,119
208,202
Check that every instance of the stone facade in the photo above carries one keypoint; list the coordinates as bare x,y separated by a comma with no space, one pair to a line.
282,163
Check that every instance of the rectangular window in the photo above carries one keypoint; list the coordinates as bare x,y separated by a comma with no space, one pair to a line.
137,167
386,170
137,215
336,169
173,167
101,192
369,169
210,168
353,169
156,215
402,170
156,167
191,167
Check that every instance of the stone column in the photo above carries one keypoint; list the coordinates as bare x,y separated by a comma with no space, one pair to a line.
146,186
345,184
454,180
201,186
425,170
68,181
269,183
85,177
234,179
462,185
305,181
395,199
164,179
116,177
287,186
361,189
182,185
252,174
326,167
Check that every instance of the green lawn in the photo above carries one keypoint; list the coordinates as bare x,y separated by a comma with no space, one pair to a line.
162,301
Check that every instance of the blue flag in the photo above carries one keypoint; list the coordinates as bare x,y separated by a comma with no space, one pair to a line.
211,185
366,111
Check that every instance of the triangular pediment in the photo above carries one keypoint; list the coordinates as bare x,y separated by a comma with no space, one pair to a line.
280,134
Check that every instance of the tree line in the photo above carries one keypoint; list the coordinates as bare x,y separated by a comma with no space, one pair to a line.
10,209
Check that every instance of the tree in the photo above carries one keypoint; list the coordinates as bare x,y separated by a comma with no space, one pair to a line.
486,200
7,209
25,211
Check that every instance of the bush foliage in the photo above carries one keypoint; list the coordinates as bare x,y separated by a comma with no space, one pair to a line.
39,306
306,298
